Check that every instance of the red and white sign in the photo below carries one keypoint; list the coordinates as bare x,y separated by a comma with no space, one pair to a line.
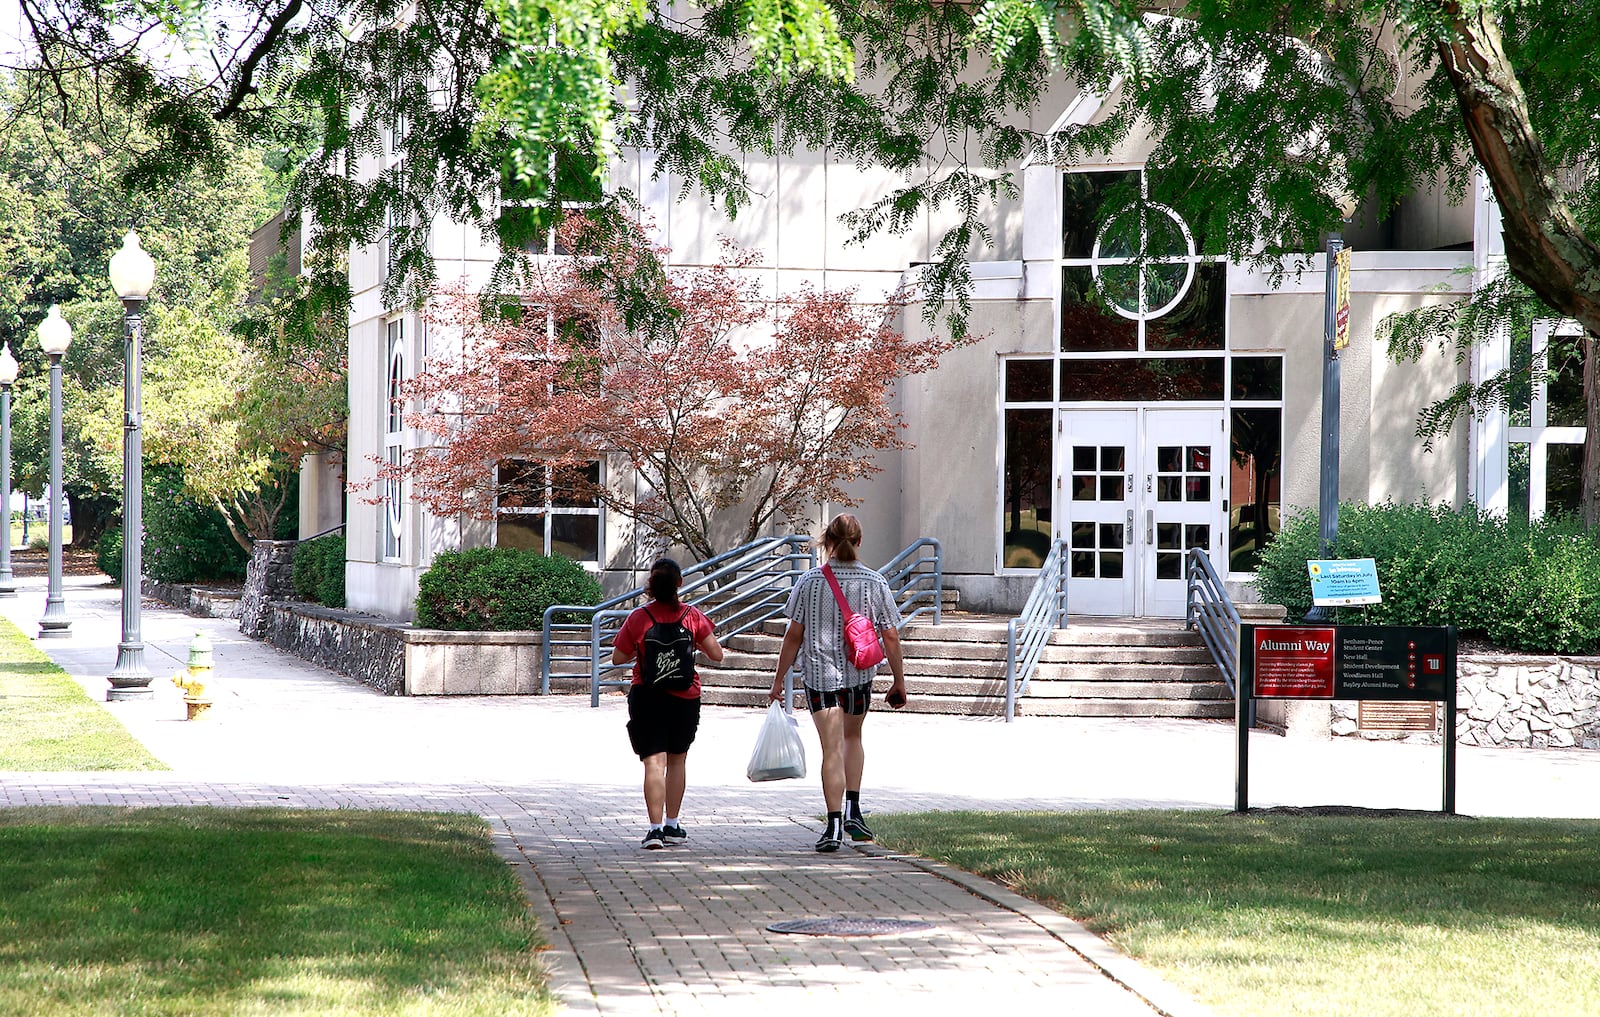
1293,662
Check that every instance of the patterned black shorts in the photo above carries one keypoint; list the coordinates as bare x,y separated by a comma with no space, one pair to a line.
854,700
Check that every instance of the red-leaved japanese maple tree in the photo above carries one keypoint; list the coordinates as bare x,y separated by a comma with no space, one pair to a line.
717,411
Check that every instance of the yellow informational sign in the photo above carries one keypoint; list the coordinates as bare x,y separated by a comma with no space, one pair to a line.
1341,300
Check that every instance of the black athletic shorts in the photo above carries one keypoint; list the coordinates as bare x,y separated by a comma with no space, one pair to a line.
661,722
854,699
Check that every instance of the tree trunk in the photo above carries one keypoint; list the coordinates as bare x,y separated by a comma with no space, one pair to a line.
92,515
1545,248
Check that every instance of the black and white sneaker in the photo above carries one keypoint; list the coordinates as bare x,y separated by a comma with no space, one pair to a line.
857,828
829,841
653,841
674,834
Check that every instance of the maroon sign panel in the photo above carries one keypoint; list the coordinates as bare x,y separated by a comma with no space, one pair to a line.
1293,662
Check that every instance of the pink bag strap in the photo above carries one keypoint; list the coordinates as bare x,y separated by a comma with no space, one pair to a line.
838,594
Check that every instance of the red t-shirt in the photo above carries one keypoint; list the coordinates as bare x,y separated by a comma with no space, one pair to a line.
631,635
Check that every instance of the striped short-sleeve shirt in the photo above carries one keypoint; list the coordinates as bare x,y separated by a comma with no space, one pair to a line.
822,651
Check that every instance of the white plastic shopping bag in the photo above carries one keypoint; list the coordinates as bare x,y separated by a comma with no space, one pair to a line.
779,753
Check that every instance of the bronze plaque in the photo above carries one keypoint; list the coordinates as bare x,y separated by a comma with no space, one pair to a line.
1396,716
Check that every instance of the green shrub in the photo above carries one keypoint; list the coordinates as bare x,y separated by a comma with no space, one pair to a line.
499,588
185,541
1526,586
108,553
319,570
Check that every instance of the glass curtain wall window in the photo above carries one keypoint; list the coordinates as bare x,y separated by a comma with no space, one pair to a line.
394,440
1256,467
1545,467
1028,398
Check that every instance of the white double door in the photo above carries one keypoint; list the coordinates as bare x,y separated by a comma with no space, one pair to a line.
1138,488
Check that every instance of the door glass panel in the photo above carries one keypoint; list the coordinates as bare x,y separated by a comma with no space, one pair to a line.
1169,565
1111,535
1083,534
1112,457
1083,564
1199,458
1082,458
1111,488
1088,324
1141,379
1169,459
1197,322
1256,459
1028,381
1197,536
1168,534
1029,487
1087,201
1169,489
1258,377
1198,488
1111,565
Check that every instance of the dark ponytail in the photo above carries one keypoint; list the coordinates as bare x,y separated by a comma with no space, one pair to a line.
665,575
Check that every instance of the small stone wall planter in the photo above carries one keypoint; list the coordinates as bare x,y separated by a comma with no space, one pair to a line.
197,600
398,659
1519,701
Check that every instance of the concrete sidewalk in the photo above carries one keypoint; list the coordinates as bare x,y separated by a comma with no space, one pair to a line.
684,931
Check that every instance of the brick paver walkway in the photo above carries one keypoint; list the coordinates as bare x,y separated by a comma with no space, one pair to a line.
684,931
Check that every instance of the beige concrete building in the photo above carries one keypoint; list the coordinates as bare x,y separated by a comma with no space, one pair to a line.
1134,406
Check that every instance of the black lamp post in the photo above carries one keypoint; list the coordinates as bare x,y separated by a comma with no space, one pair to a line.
132,275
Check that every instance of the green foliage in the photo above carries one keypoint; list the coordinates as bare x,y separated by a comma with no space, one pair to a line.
1526,586
319,570
499,588
185,540
108,553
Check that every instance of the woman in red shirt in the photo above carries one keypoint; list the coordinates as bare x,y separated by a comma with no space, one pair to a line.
660,638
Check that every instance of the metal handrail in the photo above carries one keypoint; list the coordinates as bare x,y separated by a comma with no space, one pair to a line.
916,575
576,632
1028,633
743,589
1211,610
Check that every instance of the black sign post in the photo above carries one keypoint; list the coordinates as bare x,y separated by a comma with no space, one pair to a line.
1375,662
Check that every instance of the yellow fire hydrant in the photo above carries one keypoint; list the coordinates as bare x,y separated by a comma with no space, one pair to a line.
196,677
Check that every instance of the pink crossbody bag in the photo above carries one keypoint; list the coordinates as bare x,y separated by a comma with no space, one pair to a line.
862,646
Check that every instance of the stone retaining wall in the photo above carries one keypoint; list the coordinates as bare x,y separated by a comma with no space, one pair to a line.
368,649
269,576
1518,701
397,659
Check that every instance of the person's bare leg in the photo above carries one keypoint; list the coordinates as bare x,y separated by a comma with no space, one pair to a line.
830,732
676,780
655,787
855,755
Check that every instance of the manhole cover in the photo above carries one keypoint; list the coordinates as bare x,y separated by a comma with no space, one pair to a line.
850,927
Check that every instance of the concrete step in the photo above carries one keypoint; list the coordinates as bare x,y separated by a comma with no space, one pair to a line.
1195,709
1128,690
965,706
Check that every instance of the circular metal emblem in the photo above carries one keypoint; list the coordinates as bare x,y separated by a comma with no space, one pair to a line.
850,927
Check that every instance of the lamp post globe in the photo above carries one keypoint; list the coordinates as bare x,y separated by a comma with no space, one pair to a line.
55,335
132,274
8,377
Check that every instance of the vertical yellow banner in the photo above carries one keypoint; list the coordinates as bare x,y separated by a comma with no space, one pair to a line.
1341,300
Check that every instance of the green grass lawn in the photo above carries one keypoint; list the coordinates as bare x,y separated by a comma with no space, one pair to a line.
200,912
1276,915
48,723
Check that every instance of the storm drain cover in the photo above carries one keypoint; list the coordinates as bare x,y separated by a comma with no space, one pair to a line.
850,927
